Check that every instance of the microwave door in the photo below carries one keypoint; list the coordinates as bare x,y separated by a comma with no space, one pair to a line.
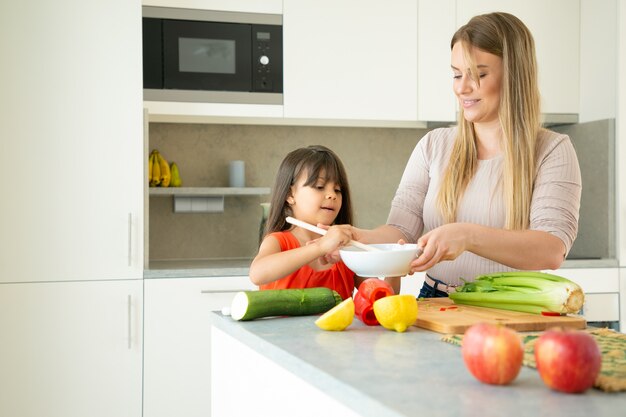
207,56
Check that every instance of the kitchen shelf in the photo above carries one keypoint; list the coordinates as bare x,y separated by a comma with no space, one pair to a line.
204,199
208,191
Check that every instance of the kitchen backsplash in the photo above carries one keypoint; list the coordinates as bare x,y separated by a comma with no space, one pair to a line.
374,159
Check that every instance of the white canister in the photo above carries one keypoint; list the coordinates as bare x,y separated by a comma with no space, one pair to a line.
237,174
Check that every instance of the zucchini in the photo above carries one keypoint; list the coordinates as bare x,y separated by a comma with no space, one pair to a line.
250,305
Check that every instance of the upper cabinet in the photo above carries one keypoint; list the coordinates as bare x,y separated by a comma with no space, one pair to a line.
351,60
555,25
576,43
247,6
368,62
598,59
436,23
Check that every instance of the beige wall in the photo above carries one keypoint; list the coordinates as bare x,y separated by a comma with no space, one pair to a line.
374,159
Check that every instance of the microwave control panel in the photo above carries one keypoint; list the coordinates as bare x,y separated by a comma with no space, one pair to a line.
267,62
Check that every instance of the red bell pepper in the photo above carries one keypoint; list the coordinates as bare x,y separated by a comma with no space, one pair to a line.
369,291
373,289
364,310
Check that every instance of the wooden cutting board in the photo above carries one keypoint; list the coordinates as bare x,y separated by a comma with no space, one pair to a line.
443,316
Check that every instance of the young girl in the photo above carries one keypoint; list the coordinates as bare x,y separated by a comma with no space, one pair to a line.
311,186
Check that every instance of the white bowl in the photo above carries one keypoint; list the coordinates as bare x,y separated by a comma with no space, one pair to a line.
392,260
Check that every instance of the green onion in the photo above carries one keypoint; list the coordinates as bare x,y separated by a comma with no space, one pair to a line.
526,291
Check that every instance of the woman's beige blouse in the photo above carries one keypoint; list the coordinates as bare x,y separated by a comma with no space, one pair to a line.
554,207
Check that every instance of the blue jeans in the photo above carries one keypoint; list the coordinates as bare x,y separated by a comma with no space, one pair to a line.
429,292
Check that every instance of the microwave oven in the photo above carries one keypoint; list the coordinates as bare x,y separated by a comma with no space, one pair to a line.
212,56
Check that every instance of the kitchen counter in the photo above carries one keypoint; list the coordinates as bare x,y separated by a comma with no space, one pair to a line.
376,372
192,268
189,268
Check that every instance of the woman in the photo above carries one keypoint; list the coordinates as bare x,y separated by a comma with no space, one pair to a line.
497,192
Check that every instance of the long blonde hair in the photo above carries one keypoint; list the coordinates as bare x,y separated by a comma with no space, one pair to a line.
504,35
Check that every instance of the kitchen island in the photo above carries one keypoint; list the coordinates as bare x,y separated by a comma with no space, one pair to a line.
287,366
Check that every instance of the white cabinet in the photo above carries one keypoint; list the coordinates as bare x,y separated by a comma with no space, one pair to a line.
72,212
71,160
598,59
601,287
177,342
555,26
250,384
247,6
436,24
71,349
350,60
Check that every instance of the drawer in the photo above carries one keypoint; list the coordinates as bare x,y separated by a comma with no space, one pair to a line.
592,280
601,307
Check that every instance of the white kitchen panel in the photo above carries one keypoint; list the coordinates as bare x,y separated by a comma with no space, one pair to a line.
172,112
601,307
555,26
592,280
246,6
598,59
72,141
263,379
177,342
435,27
353,60
71,349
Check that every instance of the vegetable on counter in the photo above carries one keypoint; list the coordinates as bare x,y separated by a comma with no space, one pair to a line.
364,309
368,292
250,305
526,291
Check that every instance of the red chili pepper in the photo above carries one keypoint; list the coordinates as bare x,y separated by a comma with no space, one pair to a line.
364,310
442,309
551,313
452,307
373,289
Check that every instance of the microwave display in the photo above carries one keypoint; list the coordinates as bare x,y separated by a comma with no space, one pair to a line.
212,56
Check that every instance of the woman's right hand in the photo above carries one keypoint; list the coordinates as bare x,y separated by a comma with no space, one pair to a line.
444,243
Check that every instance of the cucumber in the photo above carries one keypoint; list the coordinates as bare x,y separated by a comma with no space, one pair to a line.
250,305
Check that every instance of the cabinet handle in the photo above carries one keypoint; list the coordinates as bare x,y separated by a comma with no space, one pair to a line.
130,238
129,314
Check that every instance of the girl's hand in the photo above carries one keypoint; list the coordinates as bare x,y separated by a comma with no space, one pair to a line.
444,243
332,257
336,237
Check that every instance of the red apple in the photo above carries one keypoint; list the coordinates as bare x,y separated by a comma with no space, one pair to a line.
568,360
492,353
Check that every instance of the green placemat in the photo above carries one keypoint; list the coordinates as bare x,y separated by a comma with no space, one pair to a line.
612,344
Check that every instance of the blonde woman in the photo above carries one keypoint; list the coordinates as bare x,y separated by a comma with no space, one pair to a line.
498,192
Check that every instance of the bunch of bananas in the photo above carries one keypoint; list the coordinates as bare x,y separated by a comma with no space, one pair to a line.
162,174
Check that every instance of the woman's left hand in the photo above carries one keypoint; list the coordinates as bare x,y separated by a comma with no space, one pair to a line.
444,243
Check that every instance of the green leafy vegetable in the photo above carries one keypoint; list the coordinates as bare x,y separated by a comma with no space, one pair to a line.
526,291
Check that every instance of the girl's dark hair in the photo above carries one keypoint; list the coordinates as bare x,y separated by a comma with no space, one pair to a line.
311,160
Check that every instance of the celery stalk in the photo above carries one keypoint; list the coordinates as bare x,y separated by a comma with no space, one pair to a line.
527,291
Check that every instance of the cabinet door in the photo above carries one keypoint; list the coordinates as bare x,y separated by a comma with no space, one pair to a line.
71,349
248,6
436,25
601,287
555,28
177,342
354,59
71,160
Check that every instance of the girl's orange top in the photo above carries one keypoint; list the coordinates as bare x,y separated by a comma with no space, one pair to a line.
338,277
